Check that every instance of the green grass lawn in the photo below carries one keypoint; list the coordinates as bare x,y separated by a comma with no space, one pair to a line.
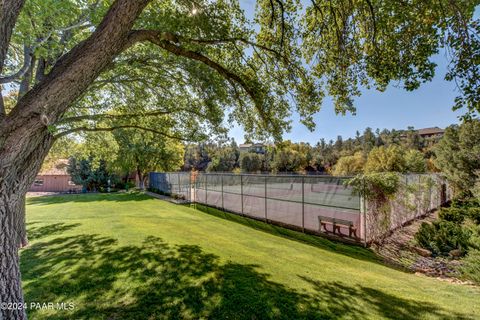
128,256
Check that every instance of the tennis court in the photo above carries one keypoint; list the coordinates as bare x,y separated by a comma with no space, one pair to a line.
297,201
310,203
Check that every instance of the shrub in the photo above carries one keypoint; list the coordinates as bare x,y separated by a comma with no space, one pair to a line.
470,268
474,214
251,162
470,207
415,161
441,237
349,165
466,203
386,159
375,185
456,215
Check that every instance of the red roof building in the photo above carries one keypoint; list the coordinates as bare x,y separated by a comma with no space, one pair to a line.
55,179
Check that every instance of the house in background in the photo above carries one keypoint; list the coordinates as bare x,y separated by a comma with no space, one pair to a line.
434,132
55,179
253,147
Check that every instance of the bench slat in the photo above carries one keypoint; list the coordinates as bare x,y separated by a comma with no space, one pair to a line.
335,220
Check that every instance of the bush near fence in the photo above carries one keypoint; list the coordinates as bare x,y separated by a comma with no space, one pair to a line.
298,201
392,199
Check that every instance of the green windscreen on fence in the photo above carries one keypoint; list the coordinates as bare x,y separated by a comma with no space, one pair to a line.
171,183
311,203
292,200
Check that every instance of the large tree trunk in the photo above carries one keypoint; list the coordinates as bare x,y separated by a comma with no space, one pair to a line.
15,179
24,135
11,296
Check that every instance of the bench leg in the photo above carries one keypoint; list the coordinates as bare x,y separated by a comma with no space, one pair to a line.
339,230
336,228
352,230
324,225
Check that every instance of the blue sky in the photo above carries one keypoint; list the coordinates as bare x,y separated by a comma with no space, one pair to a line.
429,106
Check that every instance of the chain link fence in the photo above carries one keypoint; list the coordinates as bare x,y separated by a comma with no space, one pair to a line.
298,202
417,195
314,204
174,184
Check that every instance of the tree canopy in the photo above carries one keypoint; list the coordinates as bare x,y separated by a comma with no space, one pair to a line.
197,66
458,155
349,165
201,61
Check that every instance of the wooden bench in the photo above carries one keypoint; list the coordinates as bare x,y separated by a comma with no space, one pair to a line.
337,224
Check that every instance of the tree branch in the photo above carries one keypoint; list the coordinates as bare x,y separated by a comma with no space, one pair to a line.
9,12
111,116
27,61
282,11
374,22
161,39
76,70
233,40
64,133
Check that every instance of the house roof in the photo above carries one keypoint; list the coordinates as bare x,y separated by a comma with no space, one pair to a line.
59,168
432,130
249,145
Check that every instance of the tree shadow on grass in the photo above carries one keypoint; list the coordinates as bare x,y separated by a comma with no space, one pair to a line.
155,280
350,250
39,232
356,252
377,302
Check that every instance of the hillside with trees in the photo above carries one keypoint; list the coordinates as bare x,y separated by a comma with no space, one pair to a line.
372,151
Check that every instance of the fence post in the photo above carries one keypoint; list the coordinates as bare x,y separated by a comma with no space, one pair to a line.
190,184
223,207
179,185
241,190
421,194
206,190
266,218
303,203
365,213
